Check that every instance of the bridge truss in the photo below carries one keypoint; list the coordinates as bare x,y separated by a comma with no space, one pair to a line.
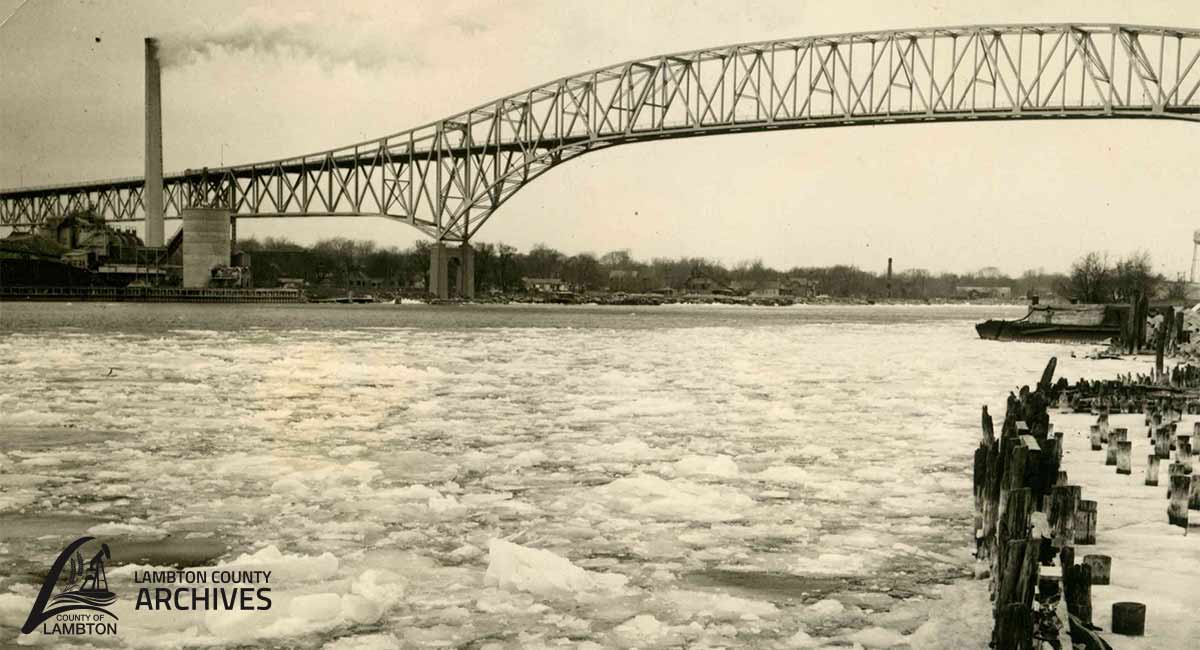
448,177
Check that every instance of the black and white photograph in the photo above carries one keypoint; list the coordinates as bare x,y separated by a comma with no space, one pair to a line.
636,324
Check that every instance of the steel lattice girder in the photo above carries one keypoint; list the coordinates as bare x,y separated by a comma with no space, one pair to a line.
448,177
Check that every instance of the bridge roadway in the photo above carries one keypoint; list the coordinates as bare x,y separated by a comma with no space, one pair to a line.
448,177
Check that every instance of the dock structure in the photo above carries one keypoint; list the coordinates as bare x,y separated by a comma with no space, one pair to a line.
1030,521
150,294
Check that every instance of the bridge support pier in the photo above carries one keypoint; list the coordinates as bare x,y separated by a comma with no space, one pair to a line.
440,256
206,244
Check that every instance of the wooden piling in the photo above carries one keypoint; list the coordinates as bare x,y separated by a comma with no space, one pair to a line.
1085,522
1124,451
1152,469
1129,618
1014,524
1160,344
1013,478
1101,566
1180,495
1077,590
1176,469
1162,443
1094,435
1014,597
1194,497
1014,627
1183,449
1110,458
1064,502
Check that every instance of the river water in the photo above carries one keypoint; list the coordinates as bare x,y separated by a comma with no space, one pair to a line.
511,476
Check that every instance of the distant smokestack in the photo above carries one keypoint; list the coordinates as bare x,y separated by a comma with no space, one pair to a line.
889,279
153,193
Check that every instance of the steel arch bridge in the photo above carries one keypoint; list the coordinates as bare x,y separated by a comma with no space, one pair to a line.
448,177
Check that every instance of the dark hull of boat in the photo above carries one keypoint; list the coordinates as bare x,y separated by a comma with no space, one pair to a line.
1007,330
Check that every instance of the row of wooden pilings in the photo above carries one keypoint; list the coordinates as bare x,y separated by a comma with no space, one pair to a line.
1163,398
1183,485
1027,516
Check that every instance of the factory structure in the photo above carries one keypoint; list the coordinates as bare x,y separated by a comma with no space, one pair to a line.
81,250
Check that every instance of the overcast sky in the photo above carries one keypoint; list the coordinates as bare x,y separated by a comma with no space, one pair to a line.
954,197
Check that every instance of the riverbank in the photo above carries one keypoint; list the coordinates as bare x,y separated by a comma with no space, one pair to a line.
148,294
279,295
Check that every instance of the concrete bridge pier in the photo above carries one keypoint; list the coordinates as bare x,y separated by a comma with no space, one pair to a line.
206,244
440,257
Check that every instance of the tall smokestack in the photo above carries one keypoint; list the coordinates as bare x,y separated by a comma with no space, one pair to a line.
153,193
889,279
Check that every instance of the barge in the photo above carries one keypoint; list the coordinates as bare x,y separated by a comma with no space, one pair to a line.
1076,323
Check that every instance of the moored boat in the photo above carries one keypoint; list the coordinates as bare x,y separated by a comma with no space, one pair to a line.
1078,323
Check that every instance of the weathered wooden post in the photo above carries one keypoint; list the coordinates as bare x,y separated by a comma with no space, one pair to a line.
987,441
1162,443
1085,522
1183,449
1077,588
1110,457
1102,422
1176,469
1014,627
1014,524
1064,501
1180,495
1124,462
1129,619
1152,469
1160,343
1194,498
1101,566
1014,598
1094,434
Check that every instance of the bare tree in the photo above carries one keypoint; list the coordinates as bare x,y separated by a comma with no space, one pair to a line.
1090,280
1135,274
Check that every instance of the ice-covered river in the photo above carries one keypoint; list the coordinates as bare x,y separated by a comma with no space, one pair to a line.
512,476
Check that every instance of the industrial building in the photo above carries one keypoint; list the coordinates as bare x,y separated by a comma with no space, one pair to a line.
80,249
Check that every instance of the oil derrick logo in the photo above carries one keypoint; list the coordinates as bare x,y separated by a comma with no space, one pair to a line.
85,589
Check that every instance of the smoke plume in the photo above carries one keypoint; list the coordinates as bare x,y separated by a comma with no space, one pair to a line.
329,41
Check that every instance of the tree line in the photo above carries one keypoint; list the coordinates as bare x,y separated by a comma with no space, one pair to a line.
500,267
